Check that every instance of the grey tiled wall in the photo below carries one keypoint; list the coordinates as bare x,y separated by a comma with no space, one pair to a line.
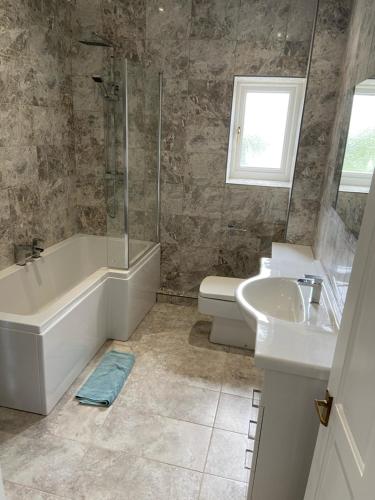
216,41
200,45
334,245
37,167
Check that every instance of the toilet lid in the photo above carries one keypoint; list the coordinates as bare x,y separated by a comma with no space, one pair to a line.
217,287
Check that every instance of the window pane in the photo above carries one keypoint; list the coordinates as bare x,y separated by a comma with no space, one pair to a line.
264,129
360,147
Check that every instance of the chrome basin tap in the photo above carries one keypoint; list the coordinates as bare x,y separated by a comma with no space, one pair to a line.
316,283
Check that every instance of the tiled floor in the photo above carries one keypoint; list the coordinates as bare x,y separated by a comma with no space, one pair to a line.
176,432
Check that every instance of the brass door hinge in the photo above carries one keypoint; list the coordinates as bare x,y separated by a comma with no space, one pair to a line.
323,408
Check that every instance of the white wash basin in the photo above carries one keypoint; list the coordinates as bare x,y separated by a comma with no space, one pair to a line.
292,334
279,298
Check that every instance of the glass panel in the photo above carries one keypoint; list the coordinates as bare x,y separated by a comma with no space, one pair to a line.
132,103
114,177
143,140
264,125
360,148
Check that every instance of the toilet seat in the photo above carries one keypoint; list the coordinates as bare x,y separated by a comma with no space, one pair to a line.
217,287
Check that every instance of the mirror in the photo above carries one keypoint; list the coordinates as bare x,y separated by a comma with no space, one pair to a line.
355,172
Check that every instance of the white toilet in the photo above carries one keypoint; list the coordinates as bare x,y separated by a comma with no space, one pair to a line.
216,298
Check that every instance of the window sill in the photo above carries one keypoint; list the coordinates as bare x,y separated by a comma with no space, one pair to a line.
354,189
261,183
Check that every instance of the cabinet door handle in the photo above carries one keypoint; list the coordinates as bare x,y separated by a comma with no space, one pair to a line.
249,435
255,401
247,453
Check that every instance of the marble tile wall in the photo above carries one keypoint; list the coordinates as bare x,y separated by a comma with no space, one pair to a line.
207,227
334,245
89,126
213,41
37,166
200,45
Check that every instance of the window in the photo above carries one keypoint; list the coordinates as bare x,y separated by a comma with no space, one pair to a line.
359,161
266,118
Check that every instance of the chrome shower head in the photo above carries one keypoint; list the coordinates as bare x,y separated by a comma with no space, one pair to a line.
98,79
95,40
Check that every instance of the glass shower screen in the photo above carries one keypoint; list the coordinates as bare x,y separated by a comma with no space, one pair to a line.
133,124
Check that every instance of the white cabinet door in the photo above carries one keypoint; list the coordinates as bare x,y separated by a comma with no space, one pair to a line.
343,466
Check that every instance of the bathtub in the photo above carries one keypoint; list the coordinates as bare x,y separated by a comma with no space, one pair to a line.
58,310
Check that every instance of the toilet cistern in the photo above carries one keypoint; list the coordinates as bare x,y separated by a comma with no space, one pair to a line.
316,283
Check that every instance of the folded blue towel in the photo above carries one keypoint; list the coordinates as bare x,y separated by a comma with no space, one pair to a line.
105,383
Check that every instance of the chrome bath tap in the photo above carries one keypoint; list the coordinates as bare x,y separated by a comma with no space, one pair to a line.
316,283
23,254
26,253
37,247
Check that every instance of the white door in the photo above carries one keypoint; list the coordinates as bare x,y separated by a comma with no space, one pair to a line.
343,466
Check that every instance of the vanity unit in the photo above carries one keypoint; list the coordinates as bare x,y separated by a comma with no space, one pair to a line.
295,342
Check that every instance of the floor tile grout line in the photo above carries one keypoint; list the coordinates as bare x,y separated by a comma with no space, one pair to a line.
38,489
149,413
88,445
178,384
208,448
145,457
143,412
235,395
226,477
156,414
45,434
223,477
229,430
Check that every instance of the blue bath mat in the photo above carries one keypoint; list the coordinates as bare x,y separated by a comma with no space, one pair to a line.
105,383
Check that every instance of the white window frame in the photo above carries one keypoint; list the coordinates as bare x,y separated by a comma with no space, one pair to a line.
282,177
357,182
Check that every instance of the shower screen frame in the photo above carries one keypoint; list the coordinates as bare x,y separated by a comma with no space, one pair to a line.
125,159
